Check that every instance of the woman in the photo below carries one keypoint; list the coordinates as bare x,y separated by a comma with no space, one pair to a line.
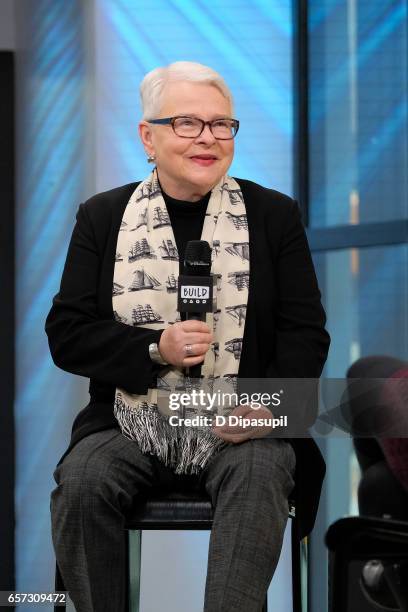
123,342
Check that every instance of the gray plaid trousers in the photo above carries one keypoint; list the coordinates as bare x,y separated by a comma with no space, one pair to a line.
97,482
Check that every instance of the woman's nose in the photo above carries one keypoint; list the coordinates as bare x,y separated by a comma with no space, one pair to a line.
206,135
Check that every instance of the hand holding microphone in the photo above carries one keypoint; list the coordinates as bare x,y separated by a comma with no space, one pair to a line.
185,344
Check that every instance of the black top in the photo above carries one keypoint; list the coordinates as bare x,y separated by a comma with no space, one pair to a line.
187,219
284,334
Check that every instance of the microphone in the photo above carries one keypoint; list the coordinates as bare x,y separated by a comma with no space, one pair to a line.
195,287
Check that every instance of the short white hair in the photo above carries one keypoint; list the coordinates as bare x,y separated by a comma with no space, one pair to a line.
151,88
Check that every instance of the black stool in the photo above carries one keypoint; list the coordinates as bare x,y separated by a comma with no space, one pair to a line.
191,511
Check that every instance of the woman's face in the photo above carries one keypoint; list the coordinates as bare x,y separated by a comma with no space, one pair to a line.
188,168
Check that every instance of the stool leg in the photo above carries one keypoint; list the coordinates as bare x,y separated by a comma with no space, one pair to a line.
296,569
59,586
126,536
135,566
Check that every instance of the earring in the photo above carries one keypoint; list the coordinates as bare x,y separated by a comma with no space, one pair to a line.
151,158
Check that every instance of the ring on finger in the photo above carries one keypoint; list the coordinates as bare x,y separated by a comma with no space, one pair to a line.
188,349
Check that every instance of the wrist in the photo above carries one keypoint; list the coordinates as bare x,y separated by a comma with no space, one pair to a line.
155,354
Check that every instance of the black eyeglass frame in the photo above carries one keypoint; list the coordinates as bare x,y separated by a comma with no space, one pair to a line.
171,120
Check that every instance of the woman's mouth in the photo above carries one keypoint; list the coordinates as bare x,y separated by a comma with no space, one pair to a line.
204,159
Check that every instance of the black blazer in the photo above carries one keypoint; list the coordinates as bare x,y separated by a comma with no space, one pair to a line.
284,330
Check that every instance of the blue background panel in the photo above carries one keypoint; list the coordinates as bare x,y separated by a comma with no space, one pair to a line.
79,66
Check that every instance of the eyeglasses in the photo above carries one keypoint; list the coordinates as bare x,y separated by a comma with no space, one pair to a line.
191,127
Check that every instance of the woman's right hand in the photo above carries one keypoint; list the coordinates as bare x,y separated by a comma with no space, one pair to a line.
174,339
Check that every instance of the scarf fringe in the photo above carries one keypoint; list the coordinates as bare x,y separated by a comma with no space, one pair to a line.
183,449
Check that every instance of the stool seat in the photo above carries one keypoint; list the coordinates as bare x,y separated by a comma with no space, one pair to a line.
172,510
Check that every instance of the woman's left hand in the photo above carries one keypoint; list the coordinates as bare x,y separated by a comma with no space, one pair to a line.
238,433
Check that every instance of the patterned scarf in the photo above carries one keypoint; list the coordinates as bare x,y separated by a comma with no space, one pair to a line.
145,295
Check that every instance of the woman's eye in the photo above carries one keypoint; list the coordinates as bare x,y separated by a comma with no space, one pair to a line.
186,122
